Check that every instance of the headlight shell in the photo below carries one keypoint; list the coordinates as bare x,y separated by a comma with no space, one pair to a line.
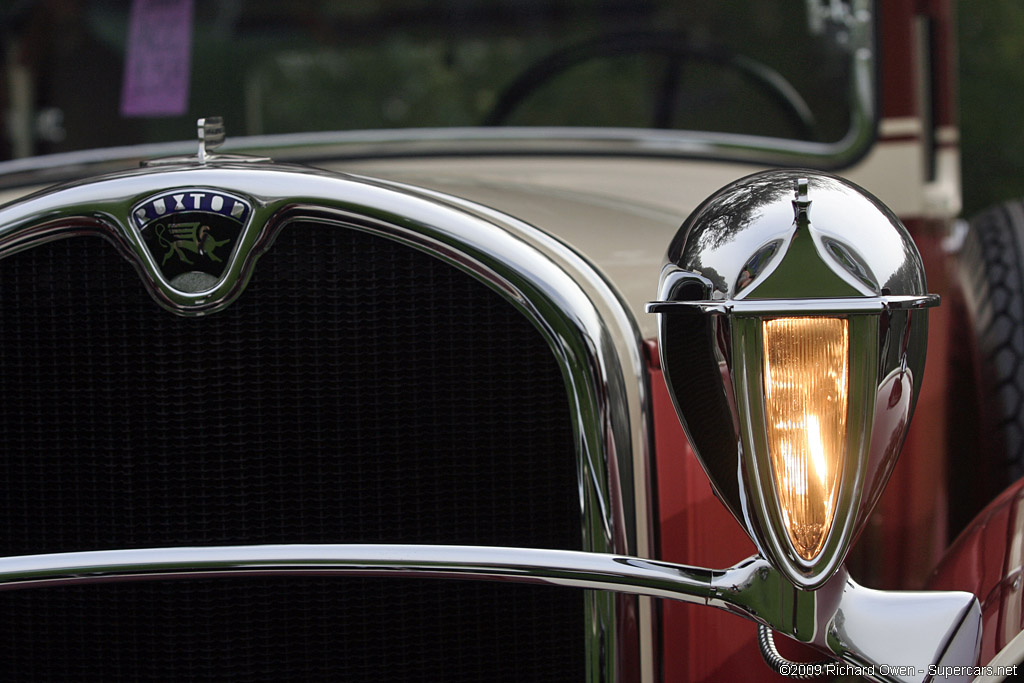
793,330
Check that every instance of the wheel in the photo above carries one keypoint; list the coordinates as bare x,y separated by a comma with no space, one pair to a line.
676,51
987,405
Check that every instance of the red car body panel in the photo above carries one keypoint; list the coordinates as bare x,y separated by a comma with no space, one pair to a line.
906,535
697,643
987,560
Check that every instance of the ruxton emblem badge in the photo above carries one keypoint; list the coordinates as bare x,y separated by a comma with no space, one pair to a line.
191,234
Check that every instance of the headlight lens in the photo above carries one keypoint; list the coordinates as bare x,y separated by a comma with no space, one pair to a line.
806,383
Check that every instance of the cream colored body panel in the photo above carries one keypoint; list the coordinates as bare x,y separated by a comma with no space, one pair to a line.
620,213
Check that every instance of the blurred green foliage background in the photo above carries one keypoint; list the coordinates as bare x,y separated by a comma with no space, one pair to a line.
991,46
273,67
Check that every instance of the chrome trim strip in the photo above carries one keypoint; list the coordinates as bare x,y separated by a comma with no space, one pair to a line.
429,142
590,331
797,306
530,565
860,626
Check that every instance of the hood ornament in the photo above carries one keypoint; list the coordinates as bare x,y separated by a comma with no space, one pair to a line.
211,134
801,204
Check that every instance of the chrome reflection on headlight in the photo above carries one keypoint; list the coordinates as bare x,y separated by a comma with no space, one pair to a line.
793,332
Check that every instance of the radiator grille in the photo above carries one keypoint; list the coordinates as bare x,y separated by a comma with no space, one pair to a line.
358,391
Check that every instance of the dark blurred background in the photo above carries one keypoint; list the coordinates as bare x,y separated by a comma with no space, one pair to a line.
91,34
991,101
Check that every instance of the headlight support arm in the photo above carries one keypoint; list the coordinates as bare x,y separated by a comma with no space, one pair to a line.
887,634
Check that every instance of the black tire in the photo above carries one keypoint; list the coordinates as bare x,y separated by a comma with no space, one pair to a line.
987,406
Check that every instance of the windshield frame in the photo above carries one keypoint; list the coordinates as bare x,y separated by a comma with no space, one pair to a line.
859,18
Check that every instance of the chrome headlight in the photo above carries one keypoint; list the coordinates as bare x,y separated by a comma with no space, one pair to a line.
793,332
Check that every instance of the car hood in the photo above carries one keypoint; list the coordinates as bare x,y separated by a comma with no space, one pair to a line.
619,214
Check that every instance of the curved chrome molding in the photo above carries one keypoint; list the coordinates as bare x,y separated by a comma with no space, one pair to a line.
592,334
892,636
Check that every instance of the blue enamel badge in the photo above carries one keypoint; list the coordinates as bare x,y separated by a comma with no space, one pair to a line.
191,234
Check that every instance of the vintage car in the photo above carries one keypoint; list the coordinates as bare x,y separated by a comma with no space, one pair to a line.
488,347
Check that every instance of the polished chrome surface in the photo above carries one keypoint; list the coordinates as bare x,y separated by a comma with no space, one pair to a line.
591,333
779,664
738,239
779,307
211,135
859,626
784,243
530,565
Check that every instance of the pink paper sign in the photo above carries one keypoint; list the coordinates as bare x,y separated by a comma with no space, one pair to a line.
158,58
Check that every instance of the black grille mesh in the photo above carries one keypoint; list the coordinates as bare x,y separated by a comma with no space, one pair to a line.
358,391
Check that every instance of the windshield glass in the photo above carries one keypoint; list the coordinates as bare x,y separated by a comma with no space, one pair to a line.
91,74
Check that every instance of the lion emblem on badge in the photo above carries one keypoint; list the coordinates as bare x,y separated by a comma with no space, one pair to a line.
182,239
192,231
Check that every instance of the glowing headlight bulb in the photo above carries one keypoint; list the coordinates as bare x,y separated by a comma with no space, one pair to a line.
806,401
